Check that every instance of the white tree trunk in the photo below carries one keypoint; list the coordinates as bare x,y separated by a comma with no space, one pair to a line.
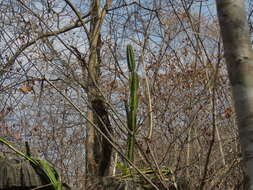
239,58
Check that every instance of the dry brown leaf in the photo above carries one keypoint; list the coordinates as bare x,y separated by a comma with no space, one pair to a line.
25,89
228,112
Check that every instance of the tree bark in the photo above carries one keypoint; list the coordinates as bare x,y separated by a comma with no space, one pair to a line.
239,59
98,149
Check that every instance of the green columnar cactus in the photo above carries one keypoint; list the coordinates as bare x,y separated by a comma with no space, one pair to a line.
133,102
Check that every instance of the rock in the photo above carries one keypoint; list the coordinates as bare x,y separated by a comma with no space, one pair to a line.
20,175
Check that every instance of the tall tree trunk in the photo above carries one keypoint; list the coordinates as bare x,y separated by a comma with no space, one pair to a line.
239,58
98,149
